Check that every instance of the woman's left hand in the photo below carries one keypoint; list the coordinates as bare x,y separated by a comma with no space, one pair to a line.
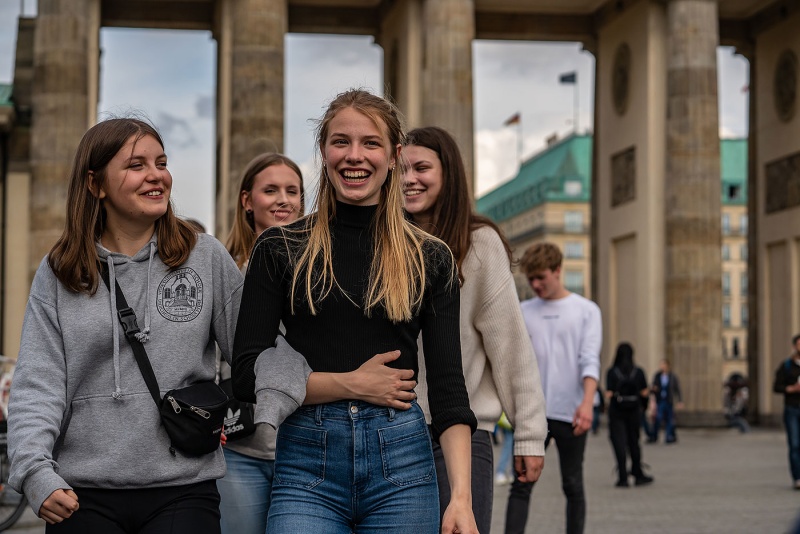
458,518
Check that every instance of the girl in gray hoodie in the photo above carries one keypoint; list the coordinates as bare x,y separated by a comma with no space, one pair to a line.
86,442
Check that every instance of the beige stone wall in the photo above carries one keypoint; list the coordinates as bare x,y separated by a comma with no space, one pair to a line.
630,236
16,263
778,242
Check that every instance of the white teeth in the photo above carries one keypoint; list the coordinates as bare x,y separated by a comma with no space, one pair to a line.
153,193
354,174
413,192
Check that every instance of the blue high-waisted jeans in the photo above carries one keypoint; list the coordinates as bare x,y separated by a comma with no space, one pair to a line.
352,466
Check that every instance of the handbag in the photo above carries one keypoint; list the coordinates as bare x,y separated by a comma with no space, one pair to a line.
193,415
240,417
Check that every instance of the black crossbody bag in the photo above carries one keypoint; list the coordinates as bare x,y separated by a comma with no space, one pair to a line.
192,416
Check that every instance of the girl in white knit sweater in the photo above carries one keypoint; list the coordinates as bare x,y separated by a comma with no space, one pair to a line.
499,363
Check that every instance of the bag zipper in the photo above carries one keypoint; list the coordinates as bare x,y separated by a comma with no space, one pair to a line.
199,411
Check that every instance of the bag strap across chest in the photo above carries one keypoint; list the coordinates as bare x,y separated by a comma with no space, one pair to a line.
127,318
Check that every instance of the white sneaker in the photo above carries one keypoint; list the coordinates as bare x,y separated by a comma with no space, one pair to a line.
501,479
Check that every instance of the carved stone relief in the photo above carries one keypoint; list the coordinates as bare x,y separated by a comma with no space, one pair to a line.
623,176
783,183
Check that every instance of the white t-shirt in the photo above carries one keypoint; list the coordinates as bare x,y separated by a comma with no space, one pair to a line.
567,335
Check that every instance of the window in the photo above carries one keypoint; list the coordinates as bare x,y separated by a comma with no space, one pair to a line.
726,252
573,221
745,315
573,188
726,223
726,315
726,284
743,284
743,252
743,224
734,192
573,249
736,352
573,281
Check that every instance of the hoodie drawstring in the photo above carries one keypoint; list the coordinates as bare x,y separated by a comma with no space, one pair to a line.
144,335
112,284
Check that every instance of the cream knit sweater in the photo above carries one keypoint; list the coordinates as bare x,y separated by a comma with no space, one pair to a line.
500,366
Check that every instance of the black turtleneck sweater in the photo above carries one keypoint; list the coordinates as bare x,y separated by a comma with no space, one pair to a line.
340,337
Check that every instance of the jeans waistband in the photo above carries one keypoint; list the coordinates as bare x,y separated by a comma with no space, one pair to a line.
351,409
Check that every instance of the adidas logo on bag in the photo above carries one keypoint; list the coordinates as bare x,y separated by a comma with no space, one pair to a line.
230,422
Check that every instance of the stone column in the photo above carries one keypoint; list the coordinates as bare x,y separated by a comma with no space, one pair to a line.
447,67
250,34
60,114
692,210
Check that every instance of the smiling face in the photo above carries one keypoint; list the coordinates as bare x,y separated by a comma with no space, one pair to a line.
137,185
275,199
422,182
357,155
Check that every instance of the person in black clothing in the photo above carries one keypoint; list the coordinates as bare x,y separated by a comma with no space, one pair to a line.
353,280
626,386
787,382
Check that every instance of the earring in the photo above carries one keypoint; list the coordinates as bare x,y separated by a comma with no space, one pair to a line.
248,211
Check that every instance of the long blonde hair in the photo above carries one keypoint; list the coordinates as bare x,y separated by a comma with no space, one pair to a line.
243,234
397,273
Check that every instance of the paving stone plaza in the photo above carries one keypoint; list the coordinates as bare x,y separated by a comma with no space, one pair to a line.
712,481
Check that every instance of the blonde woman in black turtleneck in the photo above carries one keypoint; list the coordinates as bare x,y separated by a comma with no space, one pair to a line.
353,280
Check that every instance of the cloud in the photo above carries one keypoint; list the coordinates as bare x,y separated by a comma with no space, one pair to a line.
204,106
177,131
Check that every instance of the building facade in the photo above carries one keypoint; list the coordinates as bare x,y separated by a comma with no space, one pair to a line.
549,200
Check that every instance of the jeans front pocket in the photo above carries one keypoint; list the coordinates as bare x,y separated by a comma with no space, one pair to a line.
406,453
300,456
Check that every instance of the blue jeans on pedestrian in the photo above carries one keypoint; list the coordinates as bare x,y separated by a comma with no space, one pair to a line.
666,415
353,467
791,419
245,493
505,465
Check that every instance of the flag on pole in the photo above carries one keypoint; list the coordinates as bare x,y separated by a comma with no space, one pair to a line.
569,77
513,119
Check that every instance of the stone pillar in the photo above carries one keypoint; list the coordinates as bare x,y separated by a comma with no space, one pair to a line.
401,39
447,67
748,52
59,104
250,35
692,211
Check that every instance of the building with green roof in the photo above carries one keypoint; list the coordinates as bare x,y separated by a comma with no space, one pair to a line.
549,200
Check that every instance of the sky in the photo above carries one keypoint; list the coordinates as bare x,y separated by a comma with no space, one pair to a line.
168,76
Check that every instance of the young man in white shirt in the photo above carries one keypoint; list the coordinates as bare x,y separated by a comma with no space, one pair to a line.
566,333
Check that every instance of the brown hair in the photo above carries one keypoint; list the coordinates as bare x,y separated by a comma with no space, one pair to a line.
453,216
74,258
541,256
243,233
397,273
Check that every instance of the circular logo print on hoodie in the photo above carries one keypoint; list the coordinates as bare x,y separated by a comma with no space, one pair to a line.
180,295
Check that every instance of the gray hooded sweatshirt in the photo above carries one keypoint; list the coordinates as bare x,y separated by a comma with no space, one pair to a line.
80,413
